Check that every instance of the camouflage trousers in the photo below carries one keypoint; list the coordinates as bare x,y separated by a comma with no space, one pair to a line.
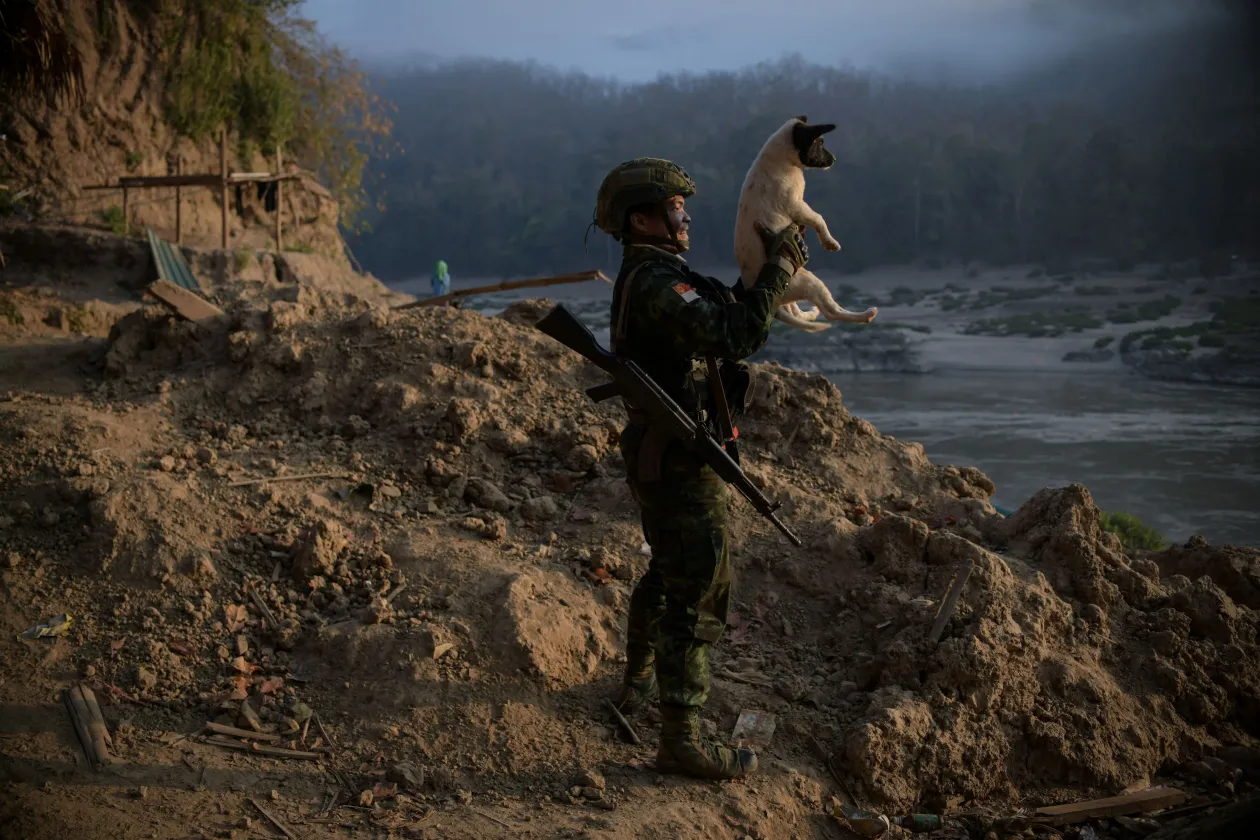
679,606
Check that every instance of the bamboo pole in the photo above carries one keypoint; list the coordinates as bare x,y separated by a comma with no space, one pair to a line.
580,277
279,206
223,187
179,206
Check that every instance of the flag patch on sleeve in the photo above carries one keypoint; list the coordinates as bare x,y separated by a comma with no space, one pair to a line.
688,294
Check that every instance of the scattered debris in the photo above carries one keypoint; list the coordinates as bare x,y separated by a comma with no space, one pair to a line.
187,305
1132,803
53,627
947,606
241,733
490,817
754,728
919,823
746,677
262,606
274,820
622,722
89,725
865,823
251,481
273,752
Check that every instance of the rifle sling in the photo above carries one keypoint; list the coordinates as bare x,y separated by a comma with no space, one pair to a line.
721,410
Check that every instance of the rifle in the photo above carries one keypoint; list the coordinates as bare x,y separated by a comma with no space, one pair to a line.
638,388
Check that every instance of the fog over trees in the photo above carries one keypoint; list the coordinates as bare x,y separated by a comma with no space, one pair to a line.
1143,153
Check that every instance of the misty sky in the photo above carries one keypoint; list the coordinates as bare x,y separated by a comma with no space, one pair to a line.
638,41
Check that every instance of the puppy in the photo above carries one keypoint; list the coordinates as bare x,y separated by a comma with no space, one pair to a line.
773,195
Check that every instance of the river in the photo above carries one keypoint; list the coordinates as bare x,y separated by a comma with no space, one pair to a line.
1184,458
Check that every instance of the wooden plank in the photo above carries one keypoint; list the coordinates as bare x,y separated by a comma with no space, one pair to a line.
220,729
258,749
1115,806
79,721
185,304
580,277
144,181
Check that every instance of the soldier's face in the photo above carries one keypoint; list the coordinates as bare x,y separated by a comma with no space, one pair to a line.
652,224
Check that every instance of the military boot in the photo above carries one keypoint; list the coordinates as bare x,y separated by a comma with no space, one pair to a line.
636,692
684,751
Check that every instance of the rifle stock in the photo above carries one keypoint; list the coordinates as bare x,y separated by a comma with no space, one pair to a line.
631,382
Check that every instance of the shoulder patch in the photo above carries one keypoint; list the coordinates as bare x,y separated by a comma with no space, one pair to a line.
688,294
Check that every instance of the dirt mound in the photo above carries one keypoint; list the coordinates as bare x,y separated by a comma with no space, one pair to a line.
1065,664
416,523
1235,570
41,313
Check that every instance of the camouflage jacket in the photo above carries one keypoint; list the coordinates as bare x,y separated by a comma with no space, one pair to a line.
673,315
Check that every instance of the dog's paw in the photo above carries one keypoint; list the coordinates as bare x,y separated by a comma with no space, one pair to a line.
831,245
870,314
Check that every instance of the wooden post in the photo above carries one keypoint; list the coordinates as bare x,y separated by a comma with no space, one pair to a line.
223,186
279,207
126,215
179,206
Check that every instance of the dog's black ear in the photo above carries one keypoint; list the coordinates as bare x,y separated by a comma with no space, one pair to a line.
801,118
803,136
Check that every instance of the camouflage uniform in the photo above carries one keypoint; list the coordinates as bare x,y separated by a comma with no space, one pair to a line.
664,317
679,607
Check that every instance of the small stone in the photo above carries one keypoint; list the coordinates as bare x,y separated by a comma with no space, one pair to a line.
590,779
166,463
592,793
378,611
146,679
206,455
389,491
275,795
406,775
365,799
142,792
89,671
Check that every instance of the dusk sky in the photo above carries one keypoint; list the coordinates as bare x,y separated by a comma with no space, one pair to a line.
638,41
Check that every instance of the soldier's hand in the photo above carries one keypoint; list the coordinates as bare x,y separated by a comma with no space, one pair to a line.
788,243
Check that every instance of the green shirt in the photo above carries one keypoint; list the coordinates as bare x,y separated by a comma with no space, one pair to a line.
674,315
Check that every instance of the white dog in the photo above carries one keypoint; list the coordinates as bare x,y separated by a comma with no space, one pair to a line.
774,196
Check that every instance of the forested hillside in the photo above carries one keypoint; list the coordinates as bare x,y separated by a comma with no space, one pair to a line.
1131,152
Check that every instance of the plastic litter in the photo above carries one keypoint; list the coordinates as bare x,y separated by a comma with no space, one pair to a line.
54,626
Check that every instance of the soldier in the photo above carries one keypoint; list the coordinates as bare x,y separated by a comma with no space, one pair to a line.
665,316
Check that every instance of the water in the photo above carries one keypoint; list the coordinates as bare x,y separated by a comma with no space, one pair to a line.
1183,457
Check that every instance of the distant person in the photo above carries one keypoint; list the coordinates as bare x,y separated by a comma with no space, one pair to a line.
441,279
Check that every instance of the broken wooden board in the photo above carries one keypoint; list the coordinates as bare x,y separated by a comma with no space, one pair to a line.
1114,806
182,302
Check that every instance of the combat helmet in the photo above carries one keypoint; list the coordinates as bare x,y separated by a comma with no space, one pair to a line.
635,183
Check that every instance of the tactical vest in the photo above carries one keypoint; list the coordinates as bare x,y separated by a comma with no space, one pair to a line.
685,379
